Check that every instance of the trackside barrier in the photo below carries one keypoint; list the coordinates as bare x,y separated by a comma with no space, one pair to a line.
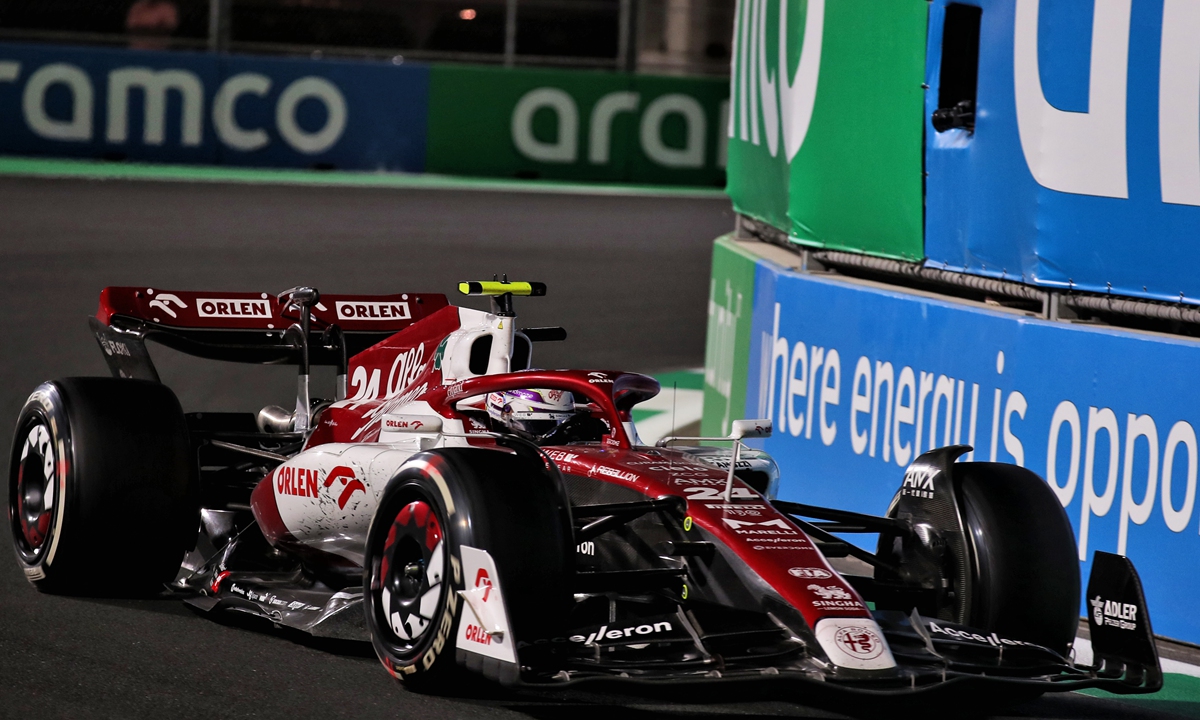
1075,166
205,108
1083,170
859,380
825,122
575,125
255,111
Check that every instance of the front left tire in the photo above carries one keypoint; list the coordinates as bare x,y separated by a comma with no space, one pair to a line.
440,502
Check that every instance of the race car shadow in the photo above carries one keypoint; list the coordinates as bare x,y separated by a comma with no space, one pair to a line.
695,702
164,604
263,626
607,712
1077,705
710,703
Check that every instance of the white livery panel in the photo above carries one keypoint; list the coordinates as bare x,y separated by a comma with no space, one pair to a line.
327,495
854,643
484,626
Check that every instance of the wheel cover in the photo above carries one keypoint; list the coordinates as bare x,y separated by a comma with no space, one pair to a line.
411,574
34,494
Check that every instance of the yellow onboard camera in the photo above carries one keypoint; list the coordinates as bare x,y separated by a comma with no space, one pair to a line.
495,288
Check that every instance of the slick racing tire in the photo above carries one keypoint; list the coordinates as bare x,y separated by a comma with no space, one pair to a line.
1026,572
439,503
103,492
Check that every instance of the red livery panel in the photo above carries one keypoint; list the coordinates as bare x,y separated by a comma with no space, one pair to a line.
764,538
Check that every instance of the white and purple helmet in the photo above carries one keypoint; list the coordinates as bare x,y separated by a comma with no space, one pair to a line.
531,411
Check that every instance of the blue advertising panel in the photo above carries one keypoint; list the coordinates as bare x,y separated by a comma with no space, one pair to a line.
207,108
858,380
1083,170
99,103
361,115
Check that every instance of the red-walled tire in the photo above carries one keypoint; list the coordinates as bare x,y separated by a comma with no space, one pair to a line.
103,492
413,570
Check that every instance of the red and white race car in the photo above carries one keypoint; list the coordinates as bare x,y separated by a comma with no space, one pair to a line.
414,509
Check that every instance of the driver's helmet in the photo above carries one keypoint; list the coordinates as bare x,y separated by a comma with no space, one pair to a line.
531,412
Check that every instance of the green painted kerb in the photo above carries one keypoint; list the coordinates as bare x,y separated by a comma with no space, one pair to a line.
1180,696
100,170
727,353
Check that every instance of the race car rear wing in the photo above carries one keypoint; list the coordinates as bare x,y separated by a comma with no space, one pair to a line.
251,327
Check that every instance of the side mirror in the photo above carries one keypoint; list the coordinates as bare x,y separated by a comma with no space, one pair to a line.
760,428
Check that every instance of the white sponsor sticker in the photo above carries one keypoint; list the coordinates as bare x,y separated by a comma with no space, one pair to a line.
483,628
777,526
1111,613
968,636
232,308
371,310
396,422
830,592
854,643
918,482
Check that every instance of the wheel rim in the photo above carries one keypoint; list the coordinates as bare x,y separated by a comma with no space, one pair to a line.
34,494
409,582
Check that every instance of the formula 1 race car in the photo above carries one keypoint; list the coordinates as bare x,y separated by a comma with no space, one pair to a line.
471,516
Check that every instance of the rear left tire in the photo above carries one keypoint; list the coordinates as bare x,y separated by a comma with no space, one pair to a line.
103,492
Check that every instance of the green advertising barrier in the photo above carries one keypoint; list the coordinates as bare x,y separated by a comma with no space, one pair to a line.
831,150
576,125
730,305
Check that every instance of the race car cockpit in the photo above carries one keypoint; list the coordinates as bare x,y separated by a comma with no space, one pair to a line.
543,416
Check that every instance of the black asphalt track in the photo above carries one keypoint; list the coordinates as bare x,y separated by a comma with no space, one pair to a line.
628,277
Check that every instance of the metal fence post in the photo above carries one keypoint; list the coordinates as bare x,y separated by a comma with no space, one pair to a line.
510,33
218,25
626,37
